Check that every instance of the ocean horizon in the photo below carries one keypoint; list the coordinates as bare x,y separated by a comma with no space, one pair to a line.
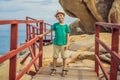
46,13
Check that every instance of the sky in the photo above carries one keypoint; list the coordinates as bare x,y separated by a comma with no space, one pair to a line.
39,9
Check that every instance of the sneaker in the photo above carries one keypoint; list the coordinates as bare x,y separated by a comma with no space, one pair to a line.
53,72
64,73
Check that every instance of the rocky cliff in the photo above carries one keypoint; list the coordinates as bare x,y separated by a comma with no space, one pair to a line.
90,11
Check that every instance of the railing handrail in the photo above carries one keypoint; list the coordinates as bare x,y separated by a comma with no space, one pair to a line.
4,22
115,59
109,25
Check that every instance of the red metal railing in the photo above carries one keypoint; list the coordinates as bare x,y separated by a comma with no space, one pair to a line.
31,31
115,57
29,34
14,49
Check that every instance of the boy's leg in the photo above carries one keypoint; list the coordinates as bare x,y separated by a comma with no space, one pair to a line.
64,56
54,63
65,70
55,56
54,67
64,64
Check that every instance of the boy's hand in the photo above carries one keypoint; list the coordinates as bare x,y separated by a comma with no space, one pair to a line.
40,36
66,47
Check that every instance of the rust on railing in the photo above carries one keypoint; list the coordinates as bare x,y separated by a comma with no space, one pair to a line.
14,49
115,57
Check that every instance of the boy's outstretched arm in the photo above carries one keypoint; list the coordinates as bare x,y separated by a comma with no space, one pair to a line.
41,35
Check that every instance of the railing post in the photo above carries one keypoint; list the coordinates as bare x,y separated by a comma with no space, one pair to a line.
13,45
115,44
41,44
45,30
37,29
27,29
97,49
51,36
33,36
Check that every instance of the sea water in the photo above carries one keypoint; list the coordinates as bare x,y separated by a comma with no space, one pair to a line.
5,37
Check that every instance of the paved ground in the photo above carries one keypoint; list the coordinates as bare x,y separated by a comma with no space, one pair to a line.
73,74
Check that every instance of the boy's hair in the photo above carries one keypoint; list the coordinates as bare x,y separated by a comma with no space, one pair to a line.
59,12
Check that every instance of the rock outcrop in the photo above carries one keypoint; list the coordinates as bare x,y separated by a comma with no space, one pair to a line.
85,45
90,11
114,14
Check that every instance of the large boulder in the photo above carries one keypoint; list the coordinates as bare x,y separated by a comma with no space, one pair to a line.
114,14
76,28
91,11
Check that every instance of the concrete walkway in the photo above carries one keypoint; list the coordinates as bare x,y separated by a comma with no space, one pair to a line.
74,73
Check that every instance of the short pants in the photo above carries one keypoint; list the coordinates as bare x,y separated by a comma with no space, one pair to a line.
59,49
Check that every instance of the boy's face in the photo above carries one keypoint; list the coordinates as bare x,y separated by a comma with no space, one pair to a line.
60,17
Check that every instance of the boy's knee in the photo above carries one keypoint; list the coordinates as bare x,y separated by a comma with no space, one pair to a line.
64,59
55,58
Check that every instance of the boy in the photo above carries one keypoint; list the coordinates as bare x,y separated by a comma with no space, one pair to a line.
60,42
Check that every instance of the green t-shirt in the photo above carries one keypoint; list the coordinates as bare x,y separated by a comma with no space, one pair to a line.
60,33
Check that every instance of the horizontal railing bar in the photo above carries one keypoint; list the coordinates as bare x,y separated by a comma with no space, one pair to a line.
3,22
15,52
36,27
29,21
31,18
103,44
102,67
109,25
48,24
